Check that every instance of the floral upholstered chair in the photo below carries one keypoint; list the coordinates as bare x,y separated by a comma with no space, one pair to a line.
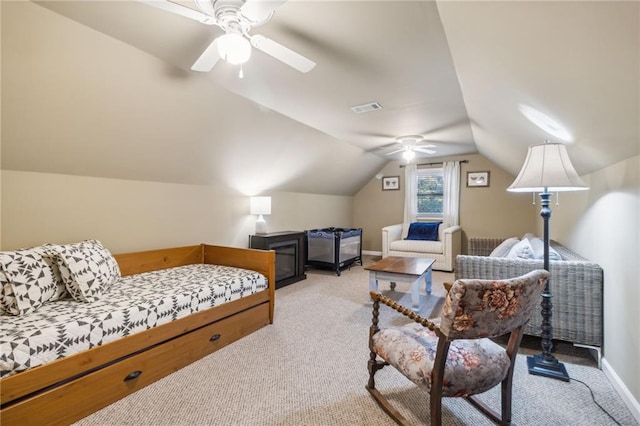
452,356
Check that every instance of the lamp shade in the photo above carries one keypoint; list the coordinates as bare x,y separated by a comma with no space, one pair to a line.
547,168
260,205
234,48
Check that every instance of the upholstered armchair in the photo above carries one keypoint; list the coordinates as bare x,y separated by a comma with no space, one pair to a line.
444,250
453,356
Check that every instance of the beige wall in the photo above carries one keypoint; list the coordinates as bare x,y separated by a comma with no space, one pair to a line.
484,212
0,125
602,225
136,215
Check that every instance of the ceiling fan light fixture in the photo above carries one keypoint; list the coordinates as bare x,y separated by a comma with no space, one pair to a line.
234,48
408,154
409,139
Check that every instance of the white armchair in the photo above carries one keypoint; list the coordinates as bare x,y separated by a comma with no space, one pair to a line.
444,251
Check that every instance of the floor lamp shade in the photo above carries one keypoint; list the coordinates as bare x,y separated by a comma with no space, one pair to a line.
547,166
260,206
547,169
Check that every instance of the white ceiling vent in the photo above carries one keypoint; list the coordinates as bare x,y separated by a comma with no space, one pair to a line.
372,106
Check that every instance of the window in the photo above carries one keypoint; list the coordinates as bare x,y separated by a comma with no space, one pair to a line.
430,192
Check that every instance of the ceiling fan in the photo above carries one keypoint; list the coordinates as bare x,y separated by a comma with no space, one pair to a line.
409,145
236,18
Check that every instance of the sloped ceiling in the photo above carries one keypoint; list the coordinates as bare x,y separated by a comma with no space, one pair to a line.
105,89
576,62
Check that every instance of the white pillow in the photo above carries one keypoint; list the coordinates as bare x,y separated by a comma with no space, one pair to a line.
522,250
87,269
504,248
538,249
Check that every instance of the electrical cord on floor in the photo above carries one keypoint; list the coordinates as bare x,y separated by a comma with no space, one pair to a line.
594,400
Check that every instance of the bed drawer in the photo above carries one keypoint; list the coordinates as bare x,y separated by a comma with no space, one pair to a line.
82,396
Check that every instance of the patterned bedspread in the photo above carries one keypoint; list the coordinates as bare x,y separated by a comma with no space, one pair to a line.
135,303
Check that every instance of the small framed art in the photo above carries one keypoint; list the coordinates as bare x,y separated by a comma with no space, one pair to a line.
477,179
391,183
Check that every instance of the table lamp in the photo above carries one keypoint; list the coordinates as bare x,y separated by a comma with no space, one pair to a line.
260,206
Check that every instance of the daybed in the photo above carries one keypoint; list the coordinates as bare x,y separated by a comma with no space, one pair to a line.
576,286
71,387
444,249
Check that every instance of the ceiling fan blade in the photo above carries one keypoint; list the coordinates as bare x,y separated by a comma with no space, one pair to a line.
396,151
205,6
389,145
284,54
259,10
430,145
208,59
180,10
423,150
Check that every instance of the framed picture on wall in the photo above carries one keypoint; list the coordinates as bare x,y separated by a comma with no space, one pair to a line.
477,179
391,183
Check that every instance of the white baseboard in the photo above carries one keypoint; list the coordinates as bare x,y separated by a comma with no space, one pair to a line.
372,253
628,399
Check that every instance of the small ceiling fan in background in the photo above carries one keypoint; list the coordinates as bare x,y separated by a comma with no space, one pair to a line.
409,145
236,18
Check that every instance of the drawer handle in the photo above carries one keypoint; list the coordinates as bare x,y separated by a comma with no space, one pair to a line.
214,337
133,375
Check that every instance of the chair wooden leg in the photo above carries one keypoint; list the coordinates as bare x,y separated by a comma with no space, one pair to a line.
506,399
437,382
373,366
435,404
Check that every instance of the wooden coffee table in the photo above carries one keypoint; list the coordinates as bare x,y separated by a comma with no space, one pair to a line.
402,269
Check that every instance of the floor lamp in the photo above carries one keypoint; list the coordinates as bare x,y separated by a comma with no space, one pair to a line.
547,169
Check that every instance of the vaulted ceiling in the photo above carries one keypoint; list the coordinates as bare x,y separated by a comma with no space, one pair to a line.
104,88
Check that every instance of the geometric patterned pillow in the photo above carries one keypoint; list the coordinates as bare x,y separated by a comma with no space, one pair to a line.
28,279
87,269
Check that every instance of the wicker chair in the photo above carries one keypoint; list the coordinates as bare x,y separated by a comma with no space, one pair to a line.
576,285
453,356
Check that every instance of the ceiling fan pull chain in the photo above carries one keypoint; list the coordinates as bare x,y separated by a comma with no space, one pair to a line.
241,73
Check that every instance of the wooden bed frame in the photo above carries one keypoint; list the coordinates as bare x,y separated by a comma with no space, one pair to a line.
71,388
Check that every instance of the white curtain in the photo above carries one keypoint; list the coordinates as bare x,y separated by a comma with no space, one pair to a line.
451,202
410,199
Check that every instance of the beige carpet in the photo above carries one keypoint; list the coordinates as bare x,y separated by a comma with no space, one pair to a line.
309,368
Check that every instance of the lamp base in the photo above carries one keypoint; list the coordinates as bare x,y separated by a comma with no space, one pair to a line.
261,226
541,367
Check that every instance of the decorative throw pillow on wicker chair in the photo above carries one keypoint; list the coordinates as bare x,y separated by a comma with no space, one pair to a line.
505,247
522,249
